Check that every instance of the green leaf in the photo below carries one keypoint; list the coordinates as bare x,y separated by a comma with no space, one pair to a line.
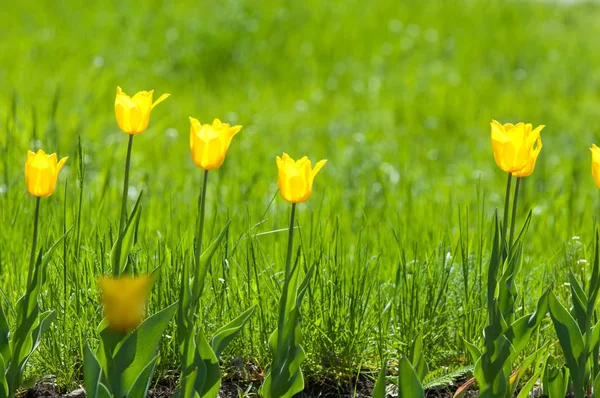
379,391
597,383
579,302
124,243
4,389
225,334
556,381
409,385
526,389
141,384
417,358
568,333
103,391
92,373
4,336
202,268
495,262
212,381
143,343
473,351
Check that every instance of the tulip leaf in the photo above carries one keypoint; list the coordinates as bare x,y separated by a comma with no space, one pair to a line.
124,243
226,333
212,380
597,383
417,358
139,348
92,373
4,336
285,378
474,351
379,391
4,389
202,268
141,384
568,333
409,385
527,387
556,381
580,299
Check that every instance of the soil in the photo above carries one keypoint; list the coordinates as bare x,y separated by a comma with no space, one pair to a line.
231,389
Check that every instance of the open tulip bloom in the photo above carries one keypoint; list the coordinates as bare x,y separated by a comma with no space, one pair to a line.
295,179
516,147
133,113
41,172
209,142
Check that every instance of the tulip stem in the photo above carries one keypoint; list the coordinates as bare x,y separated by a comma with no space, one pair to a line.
514,213
506,205
286,282
125,189
200,273
35,237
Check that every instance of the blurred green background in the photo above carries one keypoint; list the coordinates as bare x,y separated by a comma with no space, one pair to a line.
397,95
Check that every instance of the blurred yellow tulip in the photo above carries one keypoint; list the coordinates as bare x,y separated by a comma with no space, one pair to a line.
124,300
516,147
41,172
209,143
596,164
295,178
133,113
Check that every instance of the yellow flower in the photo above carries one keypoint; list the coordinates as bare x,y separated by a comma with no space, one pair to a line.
209,143
41,172
124,300
596,164
133,113
295,178
533,154
516,147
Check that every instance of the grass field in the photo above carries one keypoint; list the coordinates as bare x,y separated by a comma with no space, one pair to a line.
397,96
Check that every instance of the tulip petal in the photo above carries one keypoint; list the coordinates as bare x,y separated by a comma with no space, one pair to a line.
61,164
160,99
318,167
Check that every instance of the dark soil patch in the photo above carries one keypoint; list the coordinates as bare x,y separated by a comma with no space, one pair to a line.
235,389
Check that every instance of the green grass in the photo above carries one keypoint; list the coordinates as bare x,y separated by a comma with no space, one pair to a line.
397,95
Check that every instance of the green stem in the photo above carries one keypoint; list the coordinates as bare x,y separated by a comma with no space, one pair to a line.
125,186
35,238
198,283
286,282
506,203
123,220
513,218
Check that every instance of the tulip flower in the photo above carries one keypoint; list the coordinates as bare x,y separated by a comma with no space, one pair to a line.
533,154
209,143
295,178
133,113
124,300
516,147
41,173
596,164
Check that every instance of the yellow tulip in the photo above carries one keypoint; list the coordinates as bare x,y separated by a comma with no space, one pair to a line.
596,164
124,300
133,113
295,178
516,147
533,154
41,172
209,143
